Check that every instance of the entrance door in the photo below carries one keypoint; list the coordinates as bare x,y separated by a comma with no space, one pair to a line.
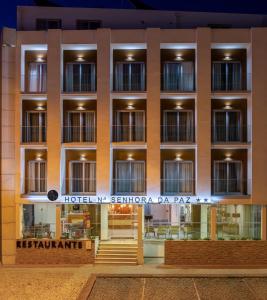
122,221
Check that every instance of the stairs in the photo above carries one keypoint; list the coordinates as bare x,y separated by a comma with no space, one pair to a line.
116,253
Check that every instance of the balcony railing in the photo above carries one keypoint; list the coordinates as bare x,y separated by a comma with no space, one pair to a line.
36,186
34,83
177,134
81,186
184,82
177,186
233,186
223,82
33,134
134,82
231,134
128,133
81,85
129,186
79,134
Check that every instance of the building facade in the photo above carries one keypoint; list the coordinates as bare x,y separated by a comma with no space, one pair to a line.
140,135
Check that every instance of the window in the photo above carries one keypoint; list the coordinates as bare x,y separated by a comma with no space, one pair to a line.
80,77
129,177
45,24
129,126
178,177
34,127
79,127
178,126
228,177
88,24
37,177
82,177
226,76
129,76
37,74
178,76
227,126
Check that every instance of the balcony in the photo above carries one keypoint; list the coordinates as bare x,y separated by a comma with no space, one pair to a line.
178,169
129,70
79,121
178,70
129,120
229,70
229,172
177,121
33,129
229,119
34,76
80,170
35,172
129,172
79,71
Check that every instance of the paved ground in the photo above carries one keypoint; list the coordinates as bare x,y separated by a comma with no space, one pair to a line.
66,283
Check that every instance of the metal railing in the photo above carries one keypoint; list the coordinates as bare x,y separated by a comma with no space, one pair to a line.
134,82
230,82
85,134
34,83
80,186
129,186
177,134
36,186
172,187
33,134
233,186
231,134
81,83
184,82
128,133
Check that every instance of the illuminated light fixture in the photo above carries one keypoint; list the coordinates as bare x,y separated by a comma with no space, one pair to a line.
130,106
80,107
179,57
178,106
228,157
130,157
178,157
80,58
40,58
227,57
39,156
227,106
82,157
39,107
130,57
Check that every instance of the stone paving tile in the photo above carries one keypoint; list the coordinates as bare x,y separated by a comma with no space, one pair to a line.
223,289
259,286
117,289
169,289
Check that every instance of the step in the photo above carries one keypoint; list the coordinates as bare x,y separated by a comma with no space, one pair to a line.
116,263
116,255
116,247
116,251
116,259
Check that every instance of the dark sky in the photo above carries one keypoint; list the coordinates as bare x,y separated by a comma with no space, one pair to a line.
8,8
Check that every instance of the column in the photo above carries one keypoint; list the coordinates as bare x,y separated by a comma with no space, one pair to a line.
204,221
203,112
140,244
8,156
213,223
104,222
264,223
53,109
153,112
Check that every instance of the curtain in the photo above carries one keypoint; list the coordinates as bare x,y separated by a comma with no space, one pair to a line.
37,74
80,77
74,127
220,177
234,128
88,126
76,180
32,129
129,76
90,177
137,177
42,166
122,177
83,177
234,177
220,126
185,177
37,177
170,180
218,76
234,76
137,126
170,128
178,76
185,126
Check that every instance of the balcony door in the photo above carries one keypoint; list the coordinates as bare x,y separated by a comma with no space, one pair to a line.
178,177
178,76
227,177
82,177
80,77
178,126
80,126
129,126
36,177
129,177
129,76
37,74
34,128
227,126
226,76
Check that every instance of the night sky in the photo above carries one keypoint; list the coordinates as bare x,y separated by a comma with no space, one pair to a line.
8,8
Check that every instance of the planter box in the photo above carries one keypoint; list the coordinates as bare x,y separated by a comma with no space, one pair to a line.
216,253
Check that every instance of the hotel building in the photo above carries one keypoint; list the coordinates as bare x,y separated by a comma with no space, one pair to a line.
132,128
